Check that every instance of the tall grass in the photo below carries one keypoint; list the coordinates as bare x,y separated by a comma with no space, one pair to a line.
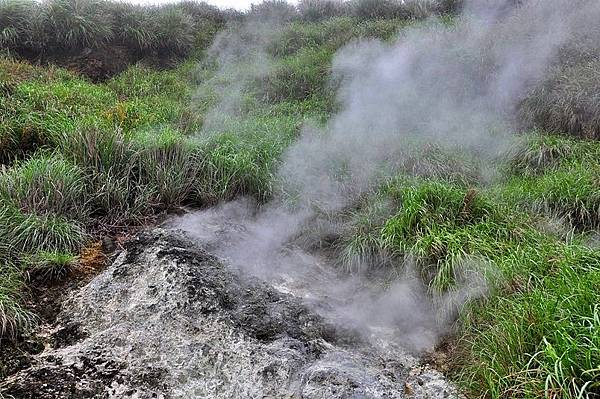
571,192
46,183
542,342
15,23
567,102
14,318
76,24
111,161
168,165
50,27
49,265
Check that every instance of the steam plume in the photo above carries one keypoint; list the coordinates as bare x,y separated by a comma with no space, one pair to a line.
456,86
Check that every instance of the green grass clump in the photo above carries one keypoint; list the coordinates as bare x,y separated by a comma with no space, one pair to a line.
331,34
168,165
317,10
544,152
14,318
571,192
242,160
46,183
567,101
66,27
537,334
111,161
50,265
441,225
27,232
73,24
438,224
15,23
40,112
540,342
139,81
361,244
299,77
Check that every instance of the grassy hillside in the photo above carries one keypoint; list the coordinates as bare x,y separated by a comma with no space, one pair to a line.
84,157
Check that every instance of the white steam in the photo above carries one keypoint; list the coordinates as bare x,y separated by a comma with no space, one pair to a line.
455,86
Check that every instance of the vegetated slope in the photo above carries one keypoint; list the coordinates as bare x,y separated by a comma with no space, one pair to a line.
83,158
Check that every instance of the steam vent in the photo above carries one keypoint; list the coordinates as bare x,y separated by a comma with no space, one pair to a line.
169,320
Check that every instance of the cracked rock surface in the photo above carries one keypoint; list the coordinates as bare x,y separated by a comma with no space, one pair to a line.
169,320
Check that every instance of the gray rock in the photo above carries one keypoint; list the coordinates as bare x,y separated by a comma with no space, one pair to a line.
169,320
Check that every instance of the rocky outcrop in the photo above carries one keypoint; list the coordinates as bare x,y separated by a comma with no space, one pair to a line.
169,320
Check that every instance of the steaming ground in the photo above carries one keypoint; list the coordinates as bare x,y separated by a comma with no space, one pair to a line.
169,320
454,87
255,242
